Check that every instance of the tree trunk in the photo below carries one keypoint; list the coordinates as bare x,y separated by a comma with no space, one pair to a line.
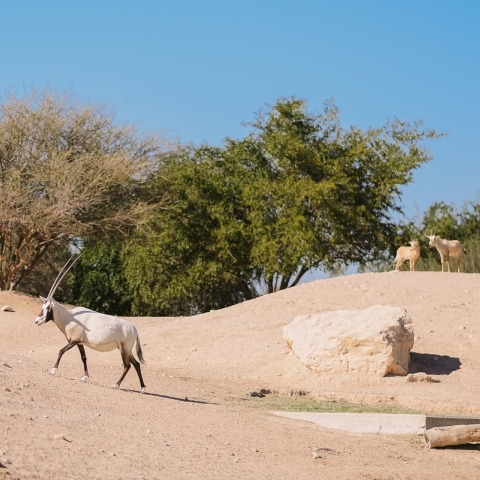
301,273
454,435
245,290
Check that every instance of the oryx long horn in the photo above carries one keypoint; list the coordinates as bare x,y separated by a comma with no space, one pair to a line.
62,273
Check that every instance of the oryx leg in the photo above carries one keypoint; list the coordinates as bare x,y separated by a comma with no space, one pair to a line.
441,258
66,348
448,261
136,365
84,360
126,367
128,360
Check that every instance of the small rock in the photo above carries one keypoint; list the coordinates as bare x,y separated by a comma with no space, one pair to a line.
316,454
256,394
421,377
260,393
7,308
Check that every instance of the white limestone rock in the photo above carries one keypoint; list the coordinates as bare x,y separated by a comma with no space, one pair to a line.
375,341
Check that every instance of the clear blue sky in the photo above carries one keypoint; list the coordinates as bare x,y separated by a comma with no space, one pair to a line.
197,69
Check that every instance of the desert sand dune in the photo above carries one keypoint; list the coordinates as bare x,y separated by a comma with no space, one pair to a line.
194,421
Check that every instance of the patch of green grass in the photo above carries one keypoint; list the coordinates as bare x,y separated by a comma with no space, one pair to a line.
307,404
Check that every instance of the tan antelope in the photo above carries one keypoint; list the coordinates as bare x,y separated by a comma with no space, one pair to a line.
447,248
411,254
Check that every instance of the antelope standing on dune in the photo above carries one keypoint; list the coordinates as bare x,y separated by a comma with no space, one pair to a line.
447,248
408,253
84,327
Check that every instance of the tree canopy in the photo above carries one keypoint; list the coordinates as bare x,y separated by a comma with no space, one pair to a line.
67,170
299,192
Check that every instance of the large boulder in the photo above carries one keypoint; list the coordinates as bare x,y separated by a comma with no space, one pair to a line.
375,341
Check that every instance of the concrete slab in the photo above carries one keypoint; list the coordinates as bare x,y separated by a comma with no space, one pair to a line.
433,421
376,423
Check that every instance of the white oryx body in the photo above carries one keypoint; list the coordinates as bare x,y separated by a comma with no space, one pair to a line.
95,330
446,248
83,327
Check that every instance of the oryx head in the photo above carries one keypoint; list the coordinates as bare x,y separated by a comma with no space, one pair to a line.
46,313
47,308
431,239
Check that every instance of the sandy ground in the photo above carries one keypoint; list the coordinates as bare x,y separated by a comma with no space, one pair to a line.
197,419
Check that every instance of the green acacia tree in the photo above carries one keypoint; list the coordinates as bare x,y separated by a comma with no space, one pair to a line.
192,258
441,219
325,195
297,193
253,216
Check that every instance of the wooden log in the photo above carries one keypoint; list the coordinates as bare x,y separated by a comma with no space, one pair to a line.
453,435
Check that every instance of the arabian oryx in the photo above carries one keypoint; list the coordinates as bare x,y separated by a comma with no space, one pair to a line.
84,327
447,248
407,253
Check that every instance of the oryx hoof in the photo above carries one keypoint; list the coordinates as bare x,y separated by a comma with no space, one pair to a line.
142,390
116,386
84,379
53,371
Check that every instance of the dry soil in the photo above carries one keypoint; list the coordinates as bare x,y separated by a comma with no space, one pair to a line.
198,419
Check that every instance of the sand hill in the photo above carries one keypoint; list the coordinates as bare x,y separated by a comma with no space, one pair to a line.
197,419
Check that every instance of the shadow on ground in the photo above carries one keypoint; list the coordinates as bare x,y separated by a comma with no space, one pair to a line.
167,397
433,364
466,446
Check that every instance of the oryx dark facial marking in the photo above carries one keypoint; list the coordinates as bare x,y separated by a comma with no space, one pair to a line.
46,314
